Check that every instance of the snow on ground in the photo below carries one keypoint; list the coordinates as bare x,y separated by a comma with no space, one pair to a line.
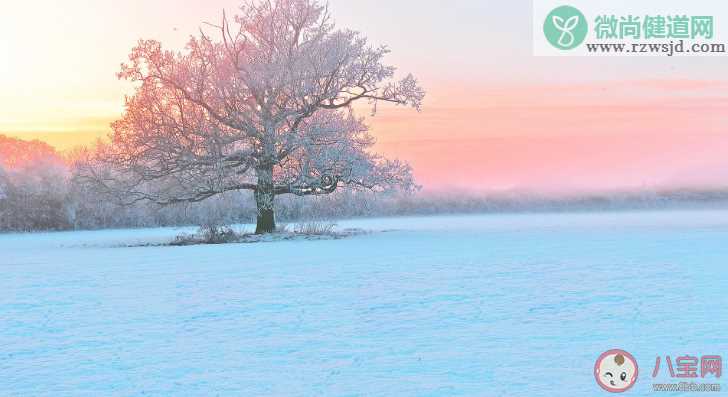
492,305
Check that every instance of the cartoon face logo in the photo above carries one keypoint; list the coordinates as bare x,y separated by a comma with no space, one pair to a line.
616,371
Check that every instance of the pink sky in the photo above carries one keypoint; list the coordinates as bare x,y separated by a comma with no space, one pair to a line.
592,136
496,118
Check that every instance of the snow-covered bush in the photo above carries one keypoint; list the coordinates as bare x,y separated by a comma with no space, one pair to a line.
33,186
315,228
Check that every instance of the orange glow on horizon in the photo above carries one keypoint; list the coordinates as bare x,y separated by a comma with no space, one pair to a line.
596,136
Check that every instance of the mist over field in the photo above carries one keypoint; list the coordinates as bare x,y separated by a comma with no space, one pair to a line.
38,192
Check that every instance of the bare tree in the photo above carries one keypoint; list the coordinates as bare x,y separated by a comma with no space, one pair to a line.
265,107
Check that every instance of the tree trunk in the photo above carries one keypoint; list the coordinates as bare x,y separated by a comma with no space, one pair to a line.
264,197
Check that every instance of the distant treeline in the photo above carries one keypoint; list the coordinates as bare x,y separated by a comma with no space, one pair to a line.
37,192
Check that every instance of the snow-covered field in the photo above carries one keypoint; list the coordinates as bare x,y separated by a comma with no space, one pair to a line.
493,305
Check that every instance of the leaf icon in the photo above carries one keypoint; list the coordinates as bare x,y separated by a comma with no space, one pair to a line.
571,23
563,25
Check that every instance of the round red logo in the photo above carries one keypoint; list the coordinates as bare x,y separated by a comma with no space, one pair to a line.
616,371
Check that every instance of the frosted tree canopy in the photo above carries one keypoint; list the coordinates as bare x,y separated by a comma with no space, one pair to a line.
259,102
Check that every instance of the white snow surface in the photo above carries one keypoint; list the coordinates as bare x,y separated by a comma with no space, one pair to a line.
484,305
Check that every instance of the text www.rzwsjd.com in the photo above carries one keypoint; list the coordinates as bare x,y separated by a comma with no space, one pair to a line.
669,49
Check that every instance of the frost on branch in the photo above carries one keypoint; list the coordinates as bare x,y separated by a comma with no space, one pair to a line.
260,103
